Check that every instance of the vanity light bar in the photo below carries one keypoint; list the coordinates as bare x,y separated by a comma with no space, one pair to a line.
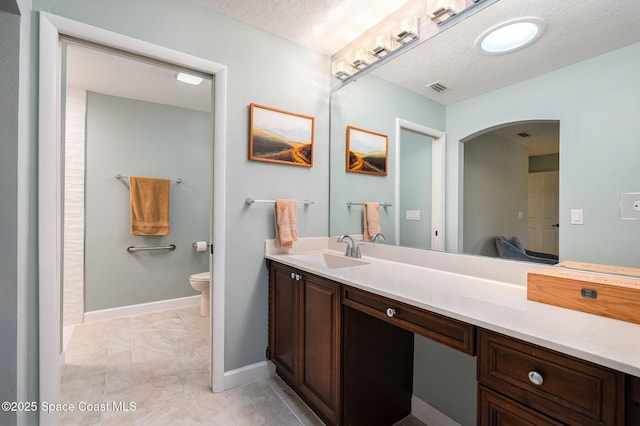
398,36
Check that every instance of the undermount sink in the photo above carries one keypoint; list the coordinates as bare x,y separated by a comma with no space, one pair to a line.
328,261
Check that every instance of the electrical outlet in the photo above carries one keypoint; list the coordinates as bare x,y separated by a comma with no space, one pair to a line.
630,205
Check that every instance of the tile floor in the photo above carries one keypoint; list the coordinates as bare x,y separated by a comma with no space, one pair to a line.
158,362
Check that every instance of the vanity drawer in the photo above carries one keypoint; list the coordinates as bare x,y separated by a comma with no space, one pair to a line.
451,332
570,390
498,410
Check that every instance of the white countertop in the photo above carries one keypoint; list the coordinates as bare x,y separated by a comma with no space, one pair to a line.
486,292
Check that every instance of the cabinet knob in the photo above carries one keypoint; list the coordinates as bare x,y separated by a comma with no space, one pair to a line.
535,378
293,276
391,312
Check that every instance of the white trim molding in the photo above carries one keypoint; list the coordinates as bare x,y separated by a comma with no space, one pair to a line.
437,179
52,27
140,309
248,374
429,415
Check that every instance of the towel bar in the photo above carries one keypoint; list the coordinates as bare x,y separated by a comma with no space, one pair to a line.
250,201
356,203
122,177
132,249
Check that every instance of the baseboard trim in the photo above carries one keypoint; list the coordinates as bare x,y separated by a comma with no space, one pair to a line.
430,415
141,309
248,374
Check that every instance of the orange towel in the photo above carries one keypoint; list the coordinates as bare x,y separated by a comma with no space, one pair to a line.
149,205
285,217
371,220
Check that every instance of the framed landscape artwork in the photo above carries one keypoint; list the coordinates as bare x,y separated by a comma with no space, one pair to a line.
278,136
366,151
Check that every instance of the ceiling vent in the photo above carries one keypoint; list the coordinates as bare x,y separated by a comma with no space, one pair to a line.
524,134
437,86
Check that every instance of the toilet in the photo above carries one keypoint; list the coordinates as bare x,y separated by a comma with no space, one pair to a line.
201,282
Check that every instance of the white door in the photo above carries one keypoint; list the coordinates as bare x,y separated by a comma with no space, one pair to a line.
543,212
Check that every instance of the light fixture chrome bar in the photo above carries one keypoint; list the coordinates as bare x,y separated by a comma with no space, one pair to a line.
443,14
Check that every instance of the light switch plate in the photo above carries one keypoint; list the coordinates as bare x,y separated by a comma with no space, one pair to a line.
412,215
577,217
630,205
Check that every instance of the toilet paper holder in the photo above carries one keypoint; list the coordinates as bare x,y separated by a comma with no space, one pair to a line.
202,245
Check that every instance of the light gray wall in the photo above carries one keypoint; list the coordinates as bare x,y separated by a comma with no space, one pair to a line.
9,66
598,149
139,138
372,104
263,69
445,378
495,190
544,163
415,188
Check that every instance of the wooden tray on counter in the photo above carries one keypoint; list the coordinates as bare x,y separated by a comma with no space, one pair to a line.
604,294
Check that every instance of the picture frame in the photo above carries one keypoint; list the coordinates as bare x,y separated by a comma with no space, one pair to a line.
278,136
367,151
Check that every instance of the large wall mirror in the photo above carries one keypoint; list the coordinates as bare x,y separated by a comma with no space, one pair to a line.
540,143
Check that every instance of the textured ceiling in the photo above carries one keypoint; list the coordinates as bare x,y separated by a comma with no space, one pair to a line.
321,25
575,30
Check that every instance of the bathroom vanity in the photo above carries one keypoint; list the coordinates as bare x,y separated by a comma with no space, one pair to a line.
341,336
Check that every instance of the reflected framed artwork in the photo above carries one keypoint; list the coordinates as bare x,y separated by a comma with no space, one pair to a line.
278,136
367,151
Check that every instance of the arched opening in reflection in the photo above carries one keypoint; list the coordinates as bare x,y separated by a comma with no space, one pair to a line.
511,190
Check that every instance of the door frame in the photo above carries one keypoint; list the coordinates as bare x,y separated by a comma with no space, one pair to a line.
50,193
437,179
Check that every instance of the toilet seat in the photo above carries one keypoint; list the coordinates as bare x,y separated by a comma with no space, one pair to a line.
202,282
201,276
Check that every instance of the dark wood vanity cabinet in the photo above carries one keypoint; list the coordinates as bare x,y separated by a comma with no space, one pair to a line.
348,353
305,336
524,384
365,381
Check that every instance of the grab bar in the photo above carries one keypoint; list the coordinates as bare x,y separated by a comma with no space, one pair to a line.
132,249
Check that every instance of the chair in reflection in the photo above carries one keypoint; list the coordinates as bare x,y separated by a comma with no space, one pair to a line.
512,248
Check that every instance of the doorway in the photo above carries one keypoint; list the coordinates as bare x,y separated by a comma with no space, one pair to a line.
52,28
503,167
129,116
429,145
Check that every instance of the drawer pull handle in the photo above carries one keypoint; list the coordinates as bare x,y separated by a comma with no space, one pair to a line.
535,378
391,312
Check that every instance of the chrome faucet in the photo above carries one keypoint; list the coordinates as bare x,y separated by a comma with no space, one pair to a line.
377,236
353,250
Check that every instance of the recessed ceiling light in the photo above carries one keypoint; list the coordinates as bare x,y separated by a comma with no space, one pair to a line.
511,35
188,78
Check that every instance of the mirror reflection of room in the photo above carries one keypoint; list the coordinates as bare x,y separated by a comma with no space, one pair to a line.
568,204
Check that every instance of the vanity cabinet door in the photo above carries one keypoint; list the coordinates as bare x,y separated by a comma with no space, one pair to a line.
320,344
283,321
305,337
